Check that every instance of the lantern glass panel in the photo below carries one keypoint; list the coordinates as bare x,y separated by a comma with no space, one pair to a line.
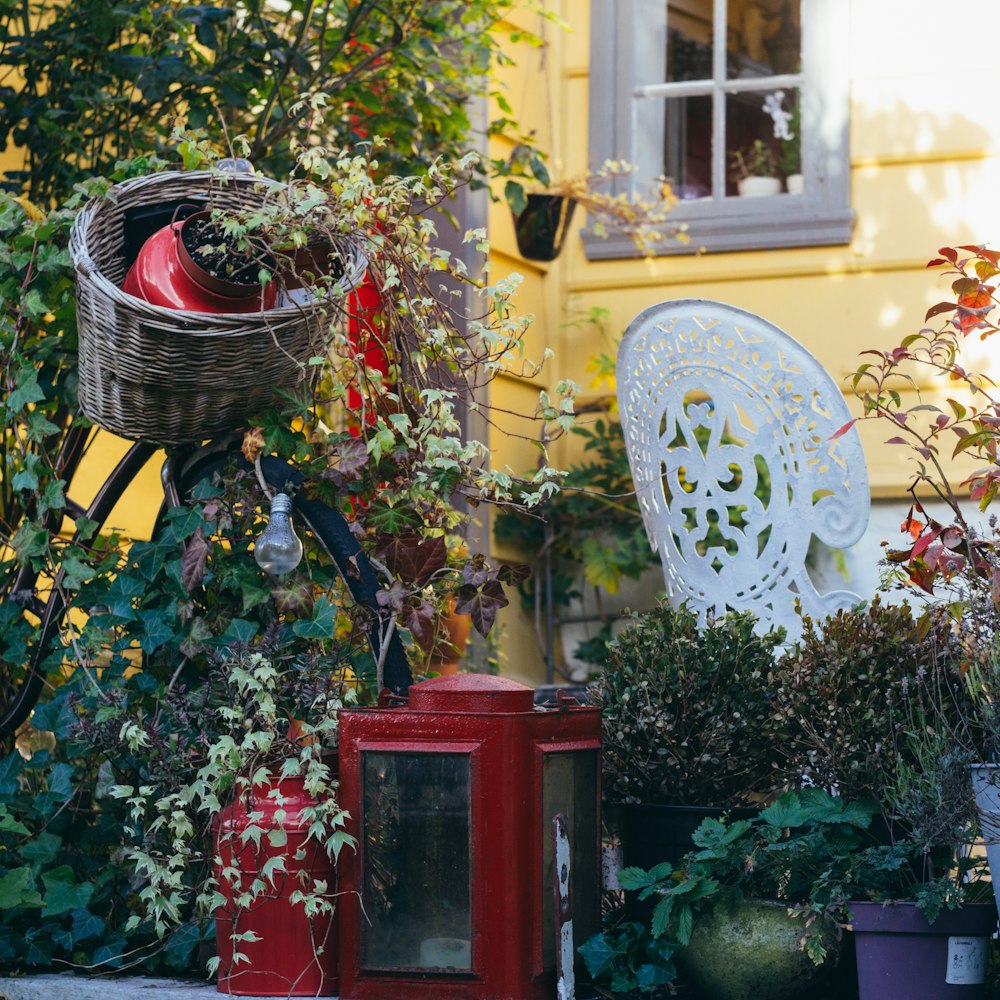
569,786
416,878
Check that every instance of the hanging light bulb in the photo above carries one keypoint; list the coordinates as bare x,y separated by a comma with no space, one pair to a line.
278,550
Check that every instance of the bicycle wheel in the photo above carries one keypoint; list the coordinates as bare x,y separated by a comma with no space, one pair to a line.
183,473
33,602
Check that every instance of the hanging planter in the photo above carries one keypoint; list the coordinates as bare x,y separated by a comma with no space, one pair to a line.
542,226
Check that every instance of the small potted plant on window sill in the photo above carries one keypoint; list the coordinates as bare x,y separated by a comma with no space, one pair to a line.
756,170
542,217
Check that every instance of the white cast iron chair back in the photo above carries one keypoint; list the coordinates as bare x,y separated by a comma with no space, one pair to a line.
728,423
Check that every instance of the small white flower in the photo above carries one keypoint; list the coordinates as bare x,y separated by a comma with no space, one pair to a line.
773,106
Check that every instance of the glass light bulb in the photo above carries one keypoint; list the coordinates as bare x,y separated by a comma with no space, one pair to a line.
278,550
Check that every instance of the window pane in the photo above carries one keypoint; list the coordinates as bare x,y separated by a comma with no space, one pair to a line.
762,136
415,889
672,40
569,786
674,140
764,38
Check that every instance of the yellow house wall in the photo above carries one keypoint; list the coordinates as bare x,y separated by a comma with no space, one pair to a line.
924,173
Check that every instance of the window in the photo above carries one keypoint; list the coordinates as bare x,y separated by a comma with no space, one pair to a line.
691,90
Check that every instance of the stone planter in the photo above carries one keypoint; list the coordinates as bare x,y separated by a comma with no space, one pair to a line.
752,949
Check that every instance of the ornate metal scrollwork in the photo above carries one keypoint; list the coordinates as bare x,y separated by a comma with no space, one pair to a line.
728,423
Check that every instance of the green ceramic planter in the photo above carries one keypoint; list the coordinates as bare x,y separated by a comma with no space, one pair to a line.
750,950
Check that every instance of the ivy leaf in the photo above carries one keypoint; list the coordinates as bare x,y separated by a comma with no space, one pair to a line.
155,629
86,925
390,520
420,621
10,767
353,456
598,955
411,559
513,573
43,849
239,630
28,391
14,889
62,893
482,605
193,561
321,625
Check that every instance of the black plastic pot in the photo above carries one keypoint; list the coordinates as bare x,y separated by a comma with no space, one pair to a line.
654,833
541,228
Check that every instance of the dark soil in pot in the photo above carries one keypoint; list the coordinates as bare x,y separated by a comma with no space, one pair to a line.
216,253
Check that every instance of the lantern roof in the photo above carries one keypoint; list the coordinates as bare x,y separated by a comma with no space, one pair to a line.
471,693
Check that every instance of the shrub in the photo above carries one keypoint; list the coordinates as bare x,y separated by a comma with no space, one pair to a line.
687,710
856,685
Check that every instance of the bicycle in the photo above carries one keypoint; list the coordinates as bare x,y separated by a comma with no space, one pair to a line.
184,468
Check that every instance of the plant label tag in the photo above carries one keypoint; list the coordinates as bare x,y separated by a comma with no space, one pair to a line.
967,960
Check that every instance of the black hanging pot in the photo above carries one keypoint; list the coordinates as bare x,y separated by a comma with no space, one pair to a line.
541,228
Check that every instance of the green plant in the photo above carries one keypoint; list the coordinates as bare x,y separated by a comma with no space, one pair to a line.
249,730
757,160
688,716
855,685
627,958
784,853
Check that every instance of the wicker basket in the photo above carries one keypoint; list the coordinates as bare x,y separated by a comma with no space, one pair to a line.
169,376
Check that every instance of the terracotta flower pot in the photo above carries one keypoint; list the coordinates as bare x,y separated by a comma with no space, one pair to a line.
448,651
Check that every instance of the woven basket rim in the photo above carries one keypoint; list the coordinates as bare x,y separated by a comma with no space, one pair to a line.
355,264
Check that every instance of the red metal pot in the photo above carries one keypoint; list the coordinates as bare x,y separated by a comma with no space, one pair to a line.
295,955
165,275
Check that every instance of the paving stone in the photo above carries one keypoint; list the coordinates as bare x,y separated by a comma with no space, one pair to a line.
67,986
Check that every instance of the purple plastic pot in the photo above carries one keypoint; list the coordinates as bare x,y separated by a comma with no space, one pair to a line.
902,957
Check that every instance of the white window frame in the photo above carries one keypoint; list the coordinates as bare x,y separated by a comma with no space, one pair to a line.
821,215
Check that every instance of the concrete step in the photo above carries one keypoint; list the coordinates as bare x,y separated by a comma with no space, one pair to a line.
67,986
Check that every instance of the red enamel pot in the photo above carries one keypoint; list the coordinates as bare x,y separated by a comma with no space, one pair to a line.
165,275
289,953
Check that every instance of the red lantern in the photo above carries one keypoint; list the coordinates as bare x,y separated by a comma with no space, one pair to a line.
452,798
293,954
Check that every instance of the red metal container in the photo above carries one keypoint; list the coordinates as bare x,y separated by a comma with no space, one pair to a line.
296,955
452,798
164,275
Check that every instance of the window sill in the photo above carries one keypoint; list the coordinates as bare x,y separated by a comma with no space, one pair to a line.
739,228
